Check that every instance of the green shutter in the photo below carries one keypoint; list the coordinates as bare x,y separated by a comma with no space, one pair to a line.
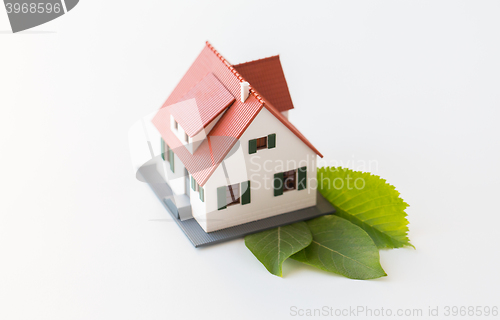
163,149
278,184
171,159
302,182
202,194
271,141
193,184
221,198
252,146
245,197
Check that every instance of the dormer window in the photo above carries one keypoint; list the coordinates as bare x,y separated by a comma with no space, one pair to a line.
180,132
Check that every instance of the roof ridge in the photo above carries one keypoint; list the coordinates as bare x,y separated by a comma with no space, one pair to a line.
256,60
236,73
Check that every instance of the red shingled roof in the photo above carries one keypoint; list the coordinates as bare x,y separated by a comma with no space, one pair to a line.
211,99
203,162
267,77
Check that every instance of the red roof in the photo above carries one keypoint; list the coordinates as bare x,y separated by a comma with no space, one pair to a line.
203,162
210,97
266,76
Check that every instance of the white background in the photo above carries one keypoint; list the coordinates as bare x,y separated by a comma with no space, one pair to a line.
412,85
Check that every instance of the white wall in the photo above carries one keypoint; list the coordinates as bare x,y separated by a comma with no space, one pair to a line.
175,179
141,134
290,153
198,207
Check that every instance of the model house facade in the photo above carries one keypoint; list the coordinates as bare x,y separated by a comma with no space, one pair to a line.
229,153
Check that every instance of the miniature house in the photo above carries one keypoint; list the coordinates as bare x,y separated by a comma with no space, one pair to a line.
230,154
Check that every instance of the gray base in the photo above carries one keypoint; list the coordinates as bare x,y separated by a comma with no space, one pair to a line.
180,206
199,237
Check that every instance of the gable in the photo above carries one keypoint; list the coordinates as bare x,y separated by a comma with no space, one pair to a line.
287,146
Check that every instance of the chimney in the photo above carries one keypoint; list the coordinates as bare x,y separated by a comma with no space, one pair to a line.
245,89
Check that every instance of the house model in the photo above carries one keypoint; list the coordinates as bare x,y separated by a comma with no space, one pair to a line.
230,155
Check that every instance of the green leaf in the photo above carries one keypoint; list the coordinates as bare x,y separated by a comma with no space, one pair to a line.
367,201
341,247
274,246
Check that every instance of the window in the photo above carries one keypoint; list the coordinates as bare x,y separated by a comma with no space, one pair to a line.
233,194
267,142
163,150
170,158
176,125
186,137
289,179
302,180
167,154
261,143
202,194
197,188
245,192
194,184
